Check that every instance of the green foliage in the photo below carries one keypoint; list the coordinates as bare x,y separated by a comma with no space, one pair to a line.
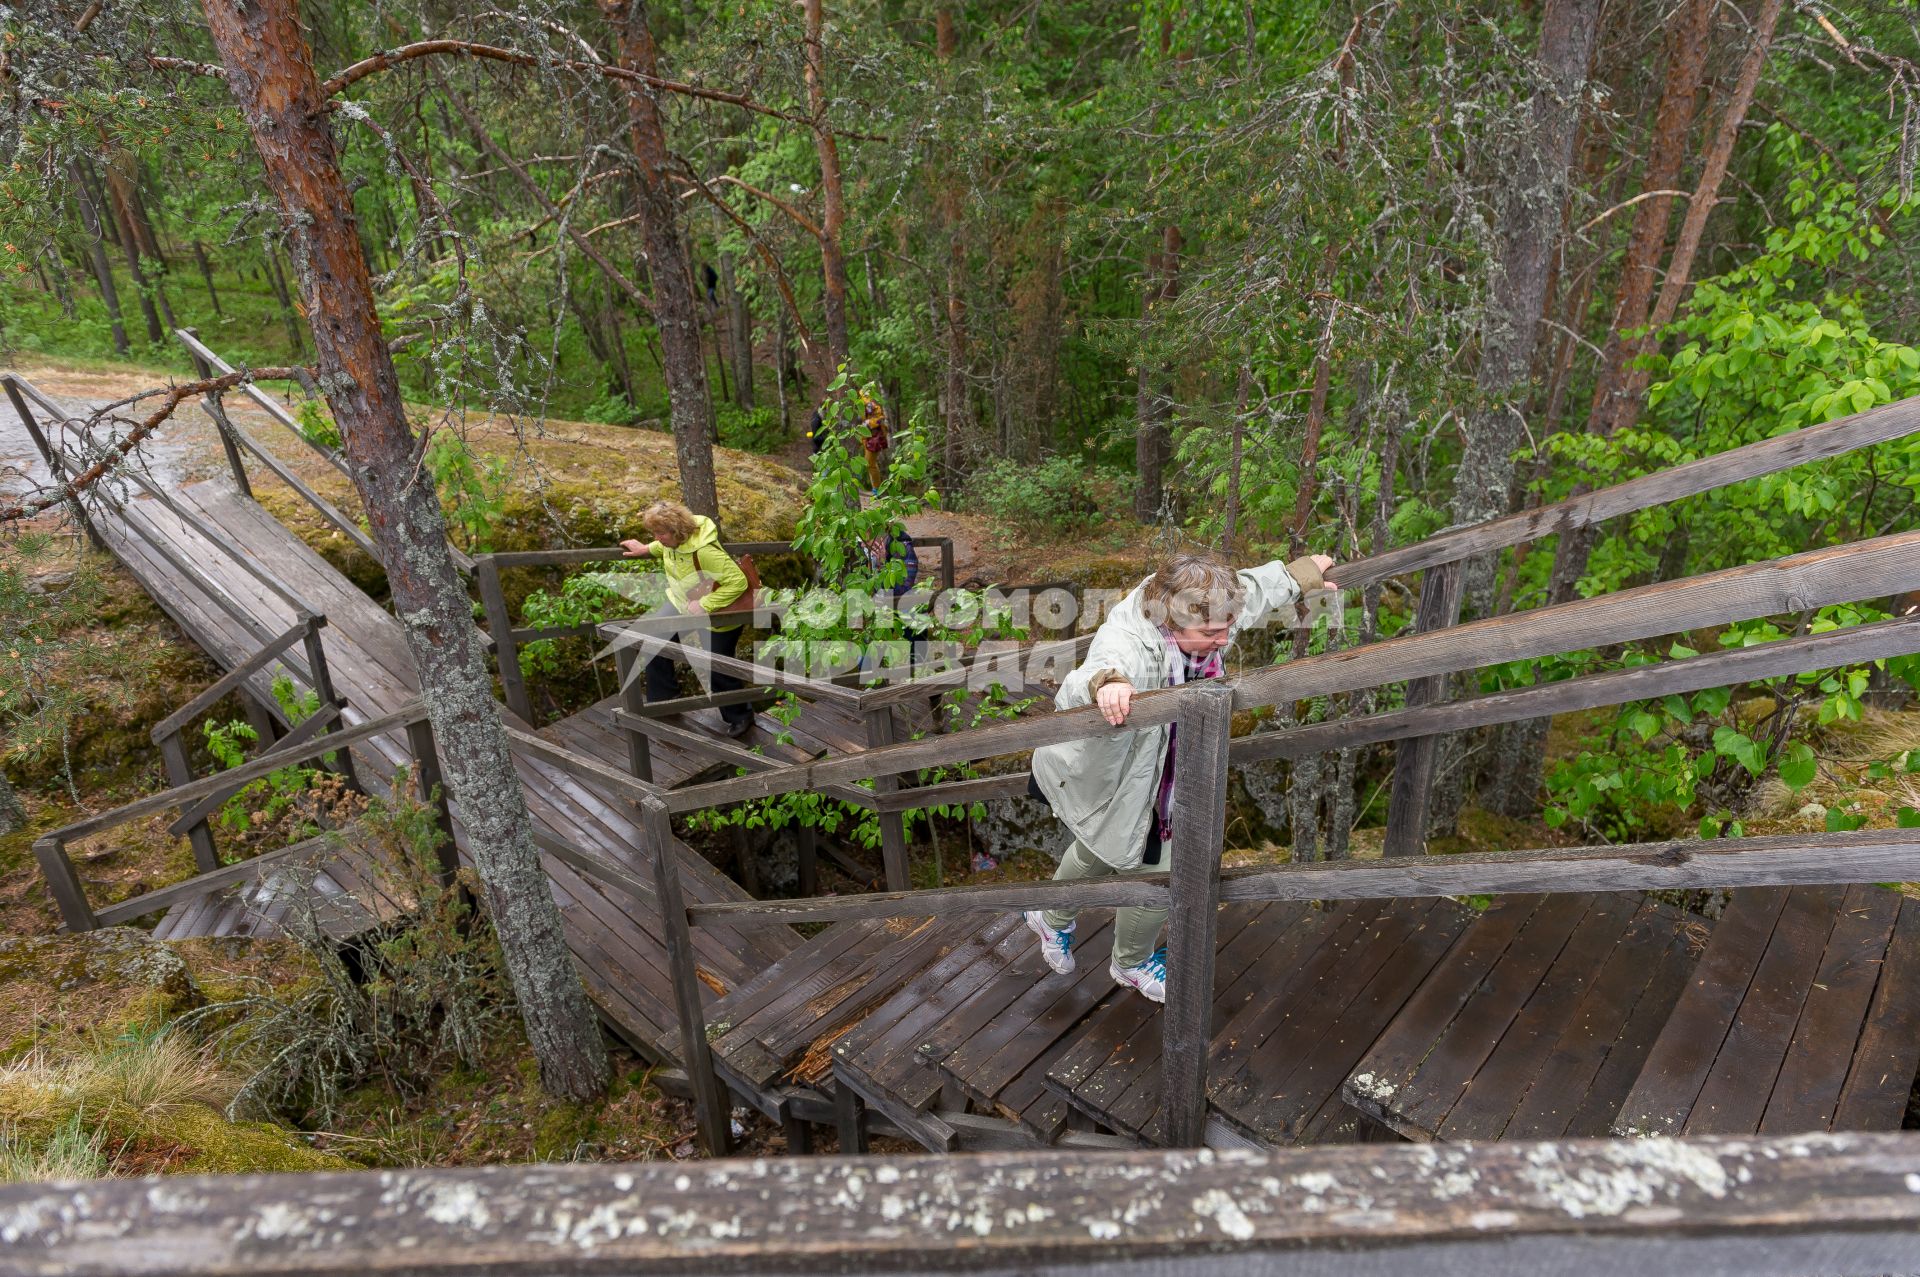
1060,495
49,674
473,489
317,424
610,590
281,792
760,430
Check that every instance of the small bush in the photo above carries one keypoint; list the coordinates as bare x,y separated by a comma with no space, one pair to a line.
408,1000
759,430
1061,494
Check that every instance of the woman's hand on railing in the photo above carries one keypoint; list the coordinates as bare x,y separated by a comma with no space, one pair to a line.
635,549
1325,563
1115,700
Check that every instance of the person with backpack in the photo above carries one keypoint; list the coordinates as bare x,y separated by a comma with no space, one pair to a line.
704,580
1114,790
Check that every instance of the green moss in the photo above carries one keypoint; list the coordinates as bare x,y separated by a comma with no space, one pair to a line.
62,990
200,1141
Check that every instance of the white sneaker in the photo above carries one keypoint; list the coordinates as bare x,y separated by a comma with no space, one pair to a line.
1150,977
1056,946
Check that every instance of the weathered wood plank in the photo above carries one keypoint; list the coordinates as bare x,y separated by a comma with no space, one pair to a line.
1811,1206
1414,758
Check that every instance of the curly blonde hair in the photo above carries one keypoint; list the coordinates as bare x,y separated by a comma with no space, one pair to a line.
1193,589
669,521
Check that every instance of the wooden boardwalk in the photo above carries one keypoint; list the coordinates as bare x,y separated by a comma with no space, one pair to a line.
1562,1015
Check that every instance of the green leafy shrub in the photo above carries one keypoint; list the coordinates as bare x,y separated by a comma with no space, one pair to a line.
473,490
1062,494
759,430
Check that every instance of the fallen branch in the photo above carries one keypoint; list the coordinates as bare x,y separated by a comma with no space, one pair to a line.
174,397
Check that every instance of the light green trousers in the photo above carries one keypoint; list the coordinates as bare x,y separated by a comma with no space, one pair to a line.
1136,932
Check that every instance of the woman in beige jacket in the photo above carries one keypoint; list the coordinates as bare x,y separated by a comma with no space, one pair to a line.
1114,791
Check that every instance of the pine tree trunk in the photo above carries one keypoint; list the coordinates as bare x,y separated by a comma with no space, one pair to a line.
954,399
833,205
130,248
739,334
97,254
676,314
206,273
1153,400
271,76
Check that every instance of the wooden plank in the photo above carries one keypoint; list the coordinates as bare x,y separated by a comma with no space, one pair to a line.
893,835
1820,1055
232,679
893,1029
990,1059
187,889
513,685
1681,1058
1885,1057
1584,1075
1490,1095
1734,1093
710,1100
1407,1040
1300,1069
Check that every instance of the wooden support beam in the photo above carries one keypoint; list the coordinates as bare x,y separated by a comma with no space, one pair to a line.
893,829
633,699
195,816
217,411
1414,758
711,1109
173,753
432,785
1199,825
63,883
200,884
513,685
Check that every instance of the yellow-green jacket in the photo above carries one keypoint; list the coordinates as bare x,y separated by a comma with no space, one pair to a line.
700,558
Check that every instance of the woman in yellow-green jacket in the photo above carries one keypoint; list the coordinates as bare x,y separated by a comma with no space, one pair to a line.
701,577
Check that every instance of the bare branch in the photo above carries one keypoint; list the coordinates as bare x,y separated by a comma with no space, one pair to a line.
805,223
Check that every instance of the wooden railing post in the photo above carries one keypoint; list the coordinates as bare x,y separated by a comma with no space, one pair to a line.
1199,833
1414,757
56,466
893,827
506,652
57,868
322,682
710,1100
217,410
433,789
173,752
633,699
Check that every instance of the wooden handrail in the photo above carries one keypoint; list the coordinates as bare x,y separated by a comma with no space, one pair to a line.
1814,1205
235,677
285,747
1888,855
168,896
1769,456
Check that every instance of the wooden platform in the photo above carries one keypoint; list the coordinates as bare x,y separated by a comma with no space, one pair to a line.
614,937
1803,1015
1533,1025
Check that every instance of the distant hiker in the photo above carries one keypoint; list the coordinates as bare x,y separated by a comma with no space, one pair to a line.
701,577
1114,791
876,441
896,545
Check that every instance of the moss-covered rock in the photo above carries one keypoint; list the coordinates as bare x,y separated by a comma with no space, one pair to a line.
60,989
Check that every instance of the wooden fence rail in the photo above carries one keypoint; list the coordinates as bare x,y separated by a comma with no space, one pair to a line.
1800,1206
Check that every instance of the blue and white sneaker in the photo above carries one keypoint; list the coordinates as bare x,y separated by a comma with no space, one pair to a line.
1150,977
1056,946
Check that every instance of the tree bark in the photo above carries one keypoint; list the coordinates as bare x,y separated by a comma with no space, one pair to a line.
270,73
1530,221
1623,405
954,400
97,254
833,204
1153,400
675,312
739,333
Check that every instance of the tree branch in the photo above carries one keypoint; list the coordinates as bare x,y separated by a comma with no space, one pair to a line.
174,397
810,227
759,246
